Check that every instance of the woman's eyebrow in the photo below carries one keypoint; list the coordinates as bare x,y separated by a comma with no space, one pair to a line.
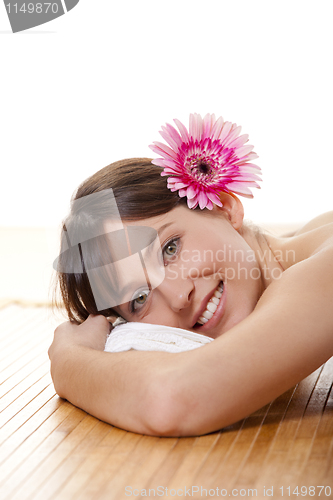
162,228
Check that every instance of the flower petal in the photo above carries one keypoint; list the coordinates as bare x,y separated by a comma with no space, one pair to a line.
159,162
252,165
244,151
163,150
180,185
174,134
207,125
239,188
214,198
217,127
191,192
234,133
239,141
182,130
170,171
203,200
252,156
170,139
195,126
192,203
247,176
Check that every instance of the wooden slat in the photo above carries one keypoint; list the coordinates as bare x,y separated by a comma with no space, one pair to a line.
15,439
37,484
219,454
14,392
300,450
172,462
23,451
25,399
51,450
139,474
273,466
117,481
250,472
119,456
88,461
27,412
18,377
193,461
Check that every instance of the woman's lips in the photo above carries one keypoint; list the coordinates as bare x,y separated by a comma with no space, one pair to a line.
217,315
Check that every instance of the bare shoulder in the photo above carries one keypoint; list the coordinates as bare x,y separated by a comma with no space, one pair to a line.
315,236
319,221
308,240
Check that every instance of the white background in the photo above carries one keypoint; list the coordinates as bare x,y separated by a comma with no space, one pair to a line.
96,84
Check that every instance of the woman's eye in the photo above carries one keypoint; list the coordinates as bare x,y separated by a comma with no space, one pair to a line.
139,300
170,249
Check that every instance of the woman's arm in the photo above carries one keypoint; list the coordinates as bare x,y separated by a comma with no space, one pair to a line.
115,387
288,335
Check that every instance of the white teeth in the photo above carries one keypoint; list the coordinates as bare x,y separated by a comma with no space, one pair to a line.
202,320
207,314
211,306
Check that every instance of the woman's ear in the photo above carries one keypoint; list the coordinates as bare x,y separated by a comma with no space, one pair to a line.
233,209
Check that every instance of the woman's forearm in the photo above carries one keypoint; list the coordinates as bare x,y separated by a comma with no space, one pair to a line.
80,374
123,389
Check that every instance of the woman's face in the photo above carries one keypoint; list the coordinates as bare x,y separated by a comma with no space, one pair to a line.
212,279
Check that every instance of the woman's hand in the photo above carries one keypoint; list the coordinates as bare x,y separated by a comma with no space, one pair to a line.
69,337
91,333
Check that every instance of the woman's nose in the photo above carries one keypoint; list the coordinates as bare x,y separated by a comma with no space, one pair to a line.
178,293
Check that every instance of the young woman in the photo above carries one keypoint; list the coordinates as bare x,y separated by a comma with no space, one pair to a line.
266,302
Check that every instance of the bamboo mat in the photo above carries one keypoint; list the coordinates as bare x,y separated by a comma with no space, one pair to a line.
50,449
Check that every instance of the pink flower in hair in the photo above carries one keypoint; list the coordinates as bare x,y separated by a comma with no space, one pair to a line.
209,158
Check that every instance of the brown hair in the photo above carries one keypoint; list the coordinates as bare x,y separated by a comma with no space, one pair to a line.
140,193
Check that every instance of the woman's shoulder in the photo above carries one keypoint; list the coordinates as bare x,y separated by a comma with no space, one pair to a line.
317,222
306,241
315,235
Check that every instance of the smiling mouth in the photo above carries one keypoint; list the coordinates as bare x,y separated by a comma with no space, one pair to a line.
212,305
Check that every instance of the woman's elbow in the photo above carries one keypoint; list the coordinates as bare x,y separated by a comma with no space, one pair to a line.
161,422
162,411
176,410
171,413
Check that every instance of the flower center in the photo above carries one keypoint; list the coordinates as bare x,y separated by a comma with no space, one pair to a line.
203,167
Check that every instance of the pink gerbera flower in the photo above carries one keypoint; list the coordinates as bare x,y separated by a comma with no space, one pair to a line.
209,158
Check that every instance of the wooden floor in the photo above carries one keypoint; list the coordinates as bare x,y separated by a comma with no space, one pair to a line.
51,450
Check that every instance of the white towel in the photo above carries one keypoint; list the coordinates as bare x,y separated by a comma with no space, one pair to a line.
147,337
